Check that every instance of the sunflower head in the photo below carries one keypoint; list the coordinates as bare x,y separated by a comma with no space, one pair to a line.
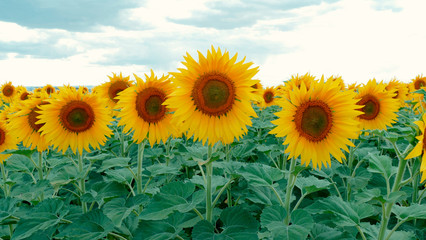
353,87
318,122
213,97
8,92
378,106
8,141
417,83
49,89
269,95
338,80
23,123
112,88
76,120
142,110
296,82
420,147
257,89
399,90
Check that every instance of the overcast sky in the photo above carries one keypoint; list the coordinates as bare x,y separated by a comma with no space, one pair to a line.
80,42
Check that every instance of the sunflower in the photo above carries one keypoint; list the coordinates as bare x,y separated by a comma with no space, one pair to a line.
83,89
213,95
353,87
142,109
268,97
23,123
317,122
399,89
420,148
339,81
8,141
49,89
76,120
257,89
378,105
296,82
8,92
417,83
110,89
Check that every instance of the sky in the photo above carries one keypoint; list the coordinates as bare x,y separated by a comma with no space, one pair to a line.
82,42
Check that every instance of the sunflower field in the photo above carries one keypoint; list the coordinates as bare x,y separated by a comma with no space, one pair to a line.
207,152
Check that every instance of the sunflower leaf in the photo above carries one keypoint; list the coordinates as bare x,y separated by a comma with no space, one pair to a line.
260,174
238,224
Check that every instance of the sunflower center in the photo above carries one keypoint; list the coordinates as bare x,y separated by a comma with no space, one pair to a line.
397,93
268,96
50,90
8,90
213,94
2,136
254,86
313,120
24,96
149,105
419,83
77,116
33,117
371,107
115,88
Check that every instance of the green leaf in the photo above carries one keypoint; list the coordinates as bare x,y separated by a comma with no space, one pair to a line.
238,224
119,208
381,164
311,184
7,209
166,229
31,192
19,163
260,174
64,175
114,162
217,181
102,191
43,216
323,232
415,211
120,175
273,217
175,196
242,151
160,169
92,225
25,152
263,195
361,179
347,214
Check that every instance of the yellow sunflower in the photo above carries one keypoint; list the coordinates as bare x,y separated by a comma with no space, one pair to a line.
420,148
49,89
8,141
296,82
268,97
417,83
23,124
76,120
399,89
257,90
142,110
353,87
317,122
110,89
213,95
378,106
339,81
8,92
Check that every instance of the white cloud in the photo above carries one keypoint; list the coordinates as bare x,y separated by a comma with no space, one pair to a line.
12,32
354,41
35,72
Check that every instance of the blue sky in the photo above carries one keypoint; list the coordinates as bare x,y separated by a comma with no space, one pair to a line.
81,42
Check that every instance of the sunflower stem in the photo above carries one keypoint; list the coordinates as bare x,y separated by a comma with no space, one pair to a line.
290,185
40,165
82,184
122,148
3,172
386,210
141,148
209,173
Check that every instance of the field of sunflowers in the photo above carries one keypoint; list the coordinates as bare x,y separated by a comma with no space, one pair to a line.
207,153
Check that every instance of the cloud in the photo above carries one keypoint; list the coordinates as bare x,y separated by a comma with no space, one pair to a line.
76,15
